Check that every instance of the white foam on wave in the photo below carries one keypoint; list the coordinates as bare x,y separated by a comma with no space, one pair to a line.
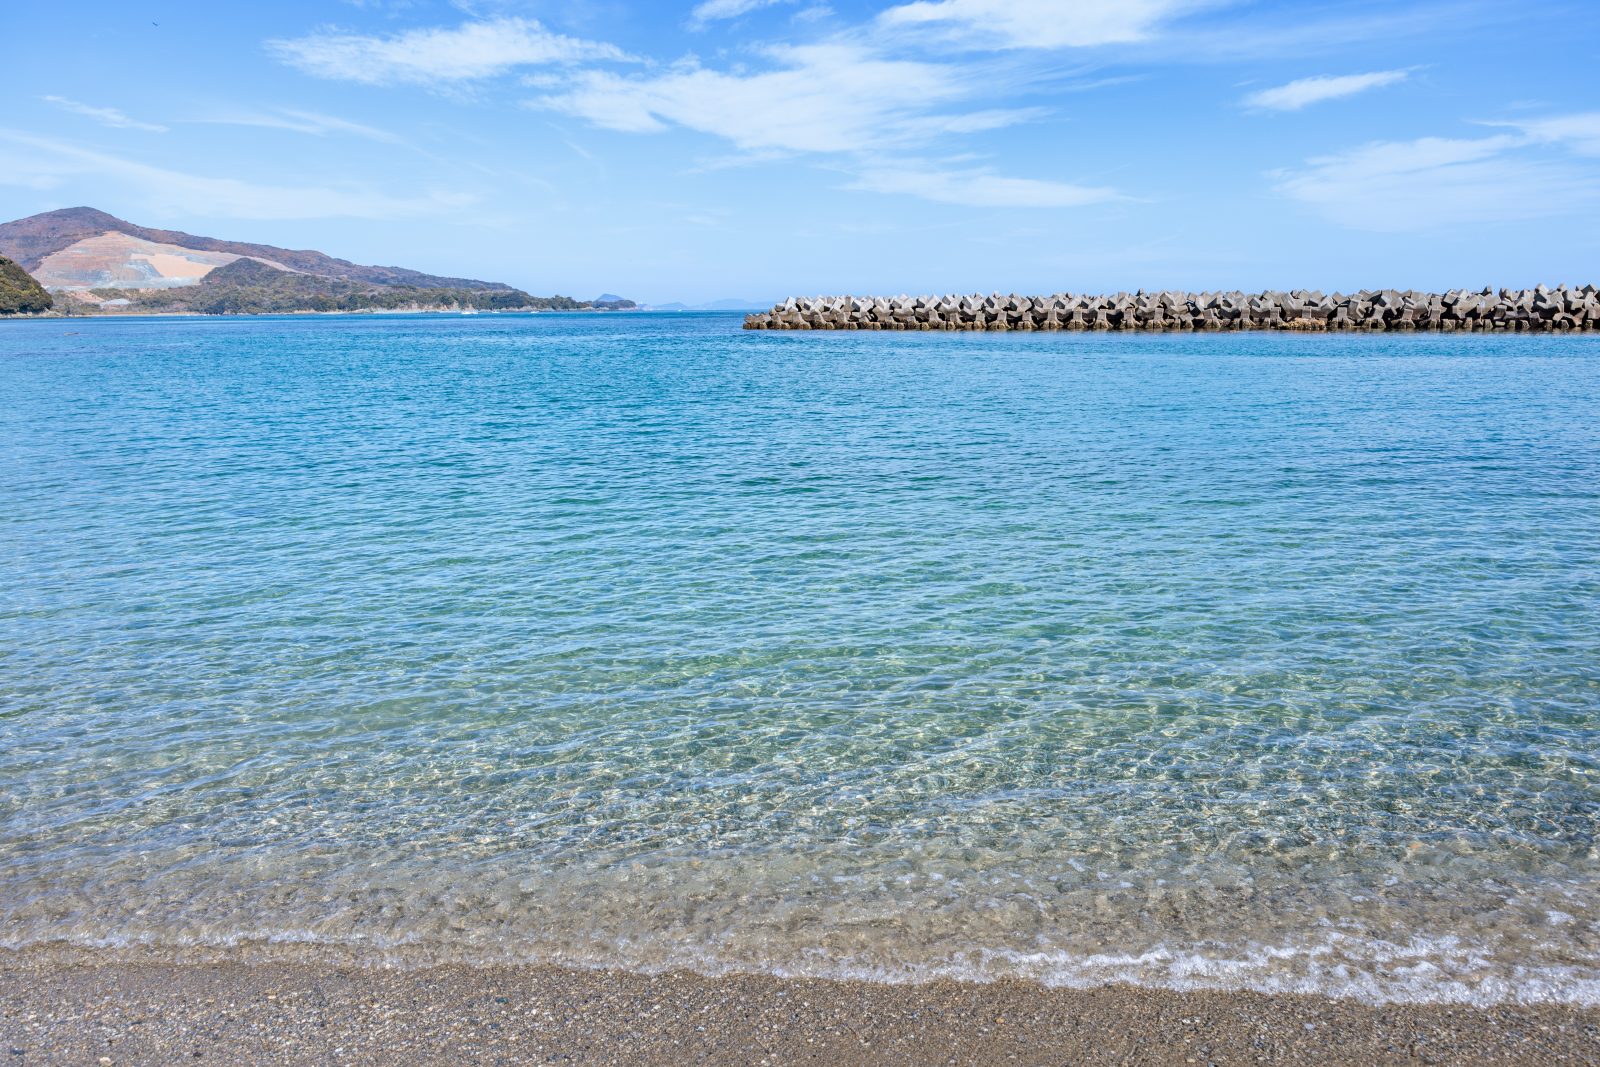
1423,970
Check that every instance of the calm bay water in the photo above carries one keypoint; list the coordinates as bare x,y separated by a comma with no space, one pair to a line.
1267,662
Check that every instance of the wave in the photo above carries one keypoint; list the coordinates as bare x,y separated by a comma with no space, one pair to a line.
1445,969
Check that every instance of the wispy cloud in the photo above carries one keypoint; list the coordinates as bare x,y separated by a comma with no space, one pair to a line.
1579,133
1038,23
930,126
978,187
1397,186
21,174
438,56
308,122
818,98
1274,32
843,101
711,10
49,163
1306,91
106,116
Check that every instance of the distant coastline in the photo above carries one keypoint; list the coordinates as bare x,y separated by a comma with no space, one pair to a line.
145,313
140,313
82,261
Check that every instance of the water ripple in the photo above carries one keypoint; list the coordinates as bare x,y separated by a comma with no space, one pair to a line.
1259,662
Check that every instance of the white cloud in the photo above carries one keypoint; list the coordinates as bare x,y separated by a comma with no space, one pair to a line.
970,121
52,162
1038,23
1580,133
838,98
1399,186
822,98
309,122
978,188
14,174
1305,91
108,116
711,10
841,100
471,51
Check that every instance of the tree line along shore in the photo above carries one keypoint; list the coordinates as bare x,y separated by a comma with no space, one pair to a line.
1562,309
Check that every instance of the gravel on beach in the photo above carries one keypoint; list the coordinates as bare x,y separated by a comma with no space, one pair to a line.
126,1013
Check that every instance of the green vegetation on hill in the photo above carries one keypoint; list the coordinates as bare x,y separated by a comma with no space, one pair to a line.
19,293
247,287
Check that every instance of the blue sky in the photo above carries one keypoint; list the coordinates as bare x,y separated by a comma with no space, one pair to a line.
741,148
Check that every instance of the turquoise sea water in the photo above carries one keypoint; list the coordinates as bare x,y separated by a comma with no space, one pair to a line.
1236,661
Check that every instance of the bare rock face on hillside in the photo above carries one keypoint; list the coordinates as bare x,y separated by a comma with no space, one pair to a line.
20,294
122,261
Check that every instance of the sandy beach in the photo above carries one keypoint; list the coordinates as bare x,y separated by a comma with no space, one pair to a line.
278,1013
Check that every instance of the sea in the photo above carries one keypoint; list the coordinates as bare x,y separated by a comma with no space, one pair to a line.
640,641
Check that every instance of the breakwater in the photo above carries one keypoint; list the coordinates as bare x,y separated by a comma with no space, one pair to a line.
1539,310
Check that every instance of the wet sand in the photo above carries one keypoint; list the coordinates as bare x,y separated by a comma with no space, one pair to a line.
287,1013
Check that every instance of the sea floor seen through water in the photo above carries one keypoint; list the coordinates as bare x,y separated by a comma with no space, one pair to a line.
1265,662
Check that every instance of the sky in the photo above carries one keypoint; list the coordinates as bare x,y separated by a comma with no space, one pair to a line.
755,149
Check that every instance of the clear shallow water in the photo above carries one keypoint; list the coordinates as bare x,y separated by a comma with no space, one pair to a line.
1267,662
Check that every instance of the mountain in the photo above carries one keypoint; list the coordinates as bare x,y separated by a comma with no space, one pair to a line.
95,262
19,293
251,287
82,248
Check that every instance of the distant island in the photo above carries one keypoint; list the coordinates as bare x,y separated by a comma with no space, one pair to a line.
81,261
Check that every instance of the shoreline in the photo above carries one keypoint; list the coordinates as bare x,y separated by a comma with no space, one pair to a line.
56,316
59,316
134,1011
